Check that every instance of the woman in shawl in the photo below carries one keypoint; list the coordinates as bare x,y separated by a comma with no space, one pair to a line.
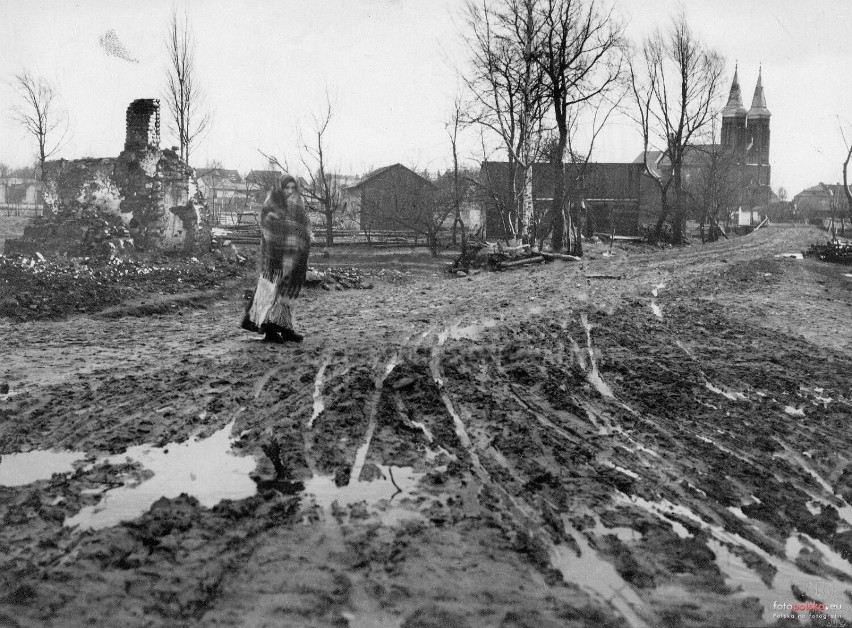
284,244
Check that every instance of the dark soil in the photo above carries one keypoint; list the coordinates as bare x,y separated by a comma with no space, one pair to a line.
559,447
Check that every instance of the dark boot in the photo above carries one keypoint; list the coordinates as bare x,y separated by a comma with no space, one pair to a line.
273,337
288,335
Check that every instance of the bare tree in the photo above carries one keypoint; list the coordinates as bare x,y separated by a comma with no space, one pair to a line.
782,194
402,200
847,190
675,82
209,176
509,94
324,192
190,116
5,169
38,111
714,190
581,53
459,186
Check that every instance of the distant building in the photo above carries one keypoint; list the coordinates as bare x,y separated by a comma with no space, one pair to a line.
266,179
228,194
822,201
744,149
611,192
621,197
344,218
392,198
21,193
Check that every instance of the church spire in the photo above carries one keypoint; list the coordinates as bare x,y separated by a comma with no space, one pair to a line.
758,103
735,107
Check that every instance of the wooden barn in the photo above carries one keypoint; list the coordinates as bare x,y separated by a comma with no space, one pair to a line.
393,198
612,193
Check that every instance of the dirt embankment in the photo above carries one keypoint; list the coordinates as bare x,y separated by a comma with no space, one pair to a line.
548,446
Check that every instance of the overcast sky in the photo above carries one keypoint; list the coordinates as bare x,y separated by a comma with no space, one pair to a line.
390,67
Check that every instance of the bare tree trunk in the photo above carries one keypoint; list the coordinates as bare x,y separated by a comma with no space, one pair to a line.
184,98
329,228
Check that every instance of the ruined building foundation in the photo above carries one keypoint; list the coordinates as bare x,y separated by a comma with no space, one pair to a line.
146,198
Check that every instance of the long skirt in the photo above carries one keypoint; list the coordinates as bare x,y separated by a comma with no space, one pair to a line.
269,308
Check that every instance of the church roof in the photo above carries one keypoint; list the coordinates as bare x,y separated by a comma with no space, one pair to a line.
735,107
758,103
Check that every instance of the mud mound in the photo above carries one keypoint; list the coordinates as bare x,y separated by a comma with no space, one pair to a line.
35,288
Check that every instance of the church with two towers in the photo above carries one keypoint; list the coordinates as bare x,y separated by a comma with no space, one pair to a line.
745,137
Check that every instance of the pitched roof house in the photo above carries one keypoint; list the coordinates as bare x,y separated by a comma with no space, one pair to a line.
392,198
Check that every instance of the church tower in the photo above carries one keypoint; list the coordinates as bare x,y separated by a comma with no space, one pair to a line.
757,125
734,122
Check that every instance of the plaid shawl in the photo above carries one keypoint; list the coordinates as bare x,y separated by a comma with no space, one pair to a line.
284,242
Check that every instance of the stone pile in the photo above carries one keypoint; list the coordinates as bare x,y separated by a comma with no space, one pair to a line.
337,278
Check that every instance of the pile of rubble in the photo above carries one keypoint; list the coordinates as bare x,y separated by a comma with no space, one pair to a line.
337,278
36,288
77,231
838,251
497,256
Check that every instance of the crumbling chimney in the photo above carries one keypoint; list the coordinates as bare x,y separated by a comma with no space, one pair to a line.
143,125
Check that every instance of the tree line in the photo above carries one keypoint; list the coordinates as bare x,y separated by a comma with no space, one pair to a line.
541,80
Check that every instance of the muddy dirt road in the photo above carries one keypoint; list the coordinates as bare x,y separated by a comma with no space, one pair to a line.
550,446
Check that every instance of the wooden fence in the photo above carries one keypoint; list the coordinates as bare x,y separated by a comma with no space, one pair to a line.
21,209
250,234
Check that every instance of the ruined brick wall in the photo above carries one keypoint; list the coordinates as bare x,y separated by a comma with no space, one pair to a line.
186,222
137,177
145,194
83,217
143,125
70,185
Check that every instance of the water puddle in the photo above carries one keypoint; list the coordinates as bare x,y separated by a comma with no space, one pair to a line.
829,556
814,507
379,382
593,375
395,483
722,448
205,469
319,404
738,513
426,432
658,312
469,332
623,534
258,387
786,576
626,472
794,411
32,466
685,349
793,546
596,576
733,396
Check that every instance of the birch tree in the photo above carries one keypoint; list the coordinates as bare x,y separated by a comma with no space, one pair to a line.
508,93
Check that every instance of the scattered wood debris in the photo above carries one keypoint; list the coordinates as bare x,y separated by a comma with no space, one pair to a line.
839,251
499,256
